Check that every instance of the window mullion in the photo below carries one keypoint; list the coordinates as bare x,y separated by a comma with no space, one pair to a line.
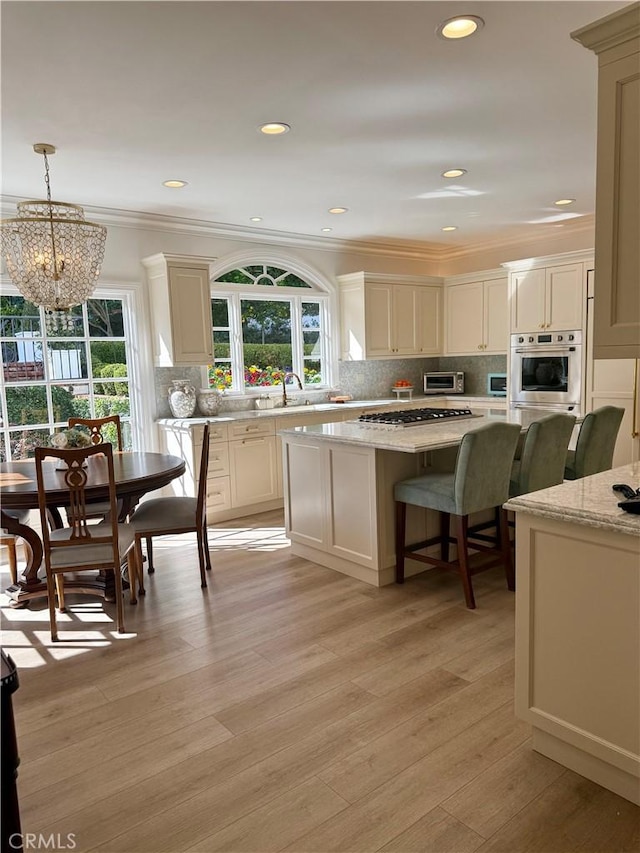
297,340
235,348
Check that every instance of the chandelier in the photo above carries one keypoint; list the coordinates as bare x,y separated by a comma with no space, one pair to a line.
53,255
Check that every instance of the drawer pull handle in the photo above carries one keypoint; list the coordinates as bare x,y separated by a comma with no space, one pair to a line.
253,441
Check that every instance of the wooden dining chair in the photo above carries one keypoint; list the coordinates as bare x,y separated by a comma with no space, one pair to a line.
96,427
9,541
172,515
81,546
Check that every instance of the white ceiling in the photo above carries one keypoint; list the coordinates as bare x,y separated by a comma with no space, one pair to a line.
134,93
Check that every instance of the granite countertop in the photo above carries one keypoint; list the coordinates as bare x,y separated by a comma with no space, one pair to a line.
414,439
280,411
590,501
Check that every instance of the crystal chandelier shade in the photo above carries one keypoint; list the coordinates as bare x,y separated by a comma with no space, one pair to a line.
52,254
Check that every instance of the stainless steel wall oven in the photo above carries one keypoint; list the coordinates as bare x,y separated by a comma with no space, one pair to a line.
547,370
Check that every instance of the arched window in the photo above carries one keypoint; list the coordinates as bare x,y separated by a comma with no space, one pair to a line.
267,322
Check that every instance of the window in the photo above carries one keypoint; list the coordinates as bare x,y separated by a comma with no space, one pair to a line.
267,321
77,368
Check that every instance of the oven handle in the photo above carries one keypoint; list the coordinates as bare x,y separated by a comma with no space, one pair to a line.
544,349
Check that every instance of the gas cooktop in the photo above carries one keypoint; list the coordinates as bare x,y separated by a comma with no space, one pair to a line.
413,417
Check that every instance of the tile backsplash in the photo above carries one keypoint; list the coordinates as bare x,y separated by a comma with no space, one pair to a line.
364,380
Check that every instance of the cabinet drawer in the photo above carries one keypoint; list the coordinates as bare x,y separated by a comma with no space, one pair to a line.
218,493
251,429
217,433
218,461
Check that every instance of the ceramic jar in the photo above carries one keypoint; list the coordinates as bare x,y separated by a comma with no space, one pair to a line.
182,399
208,402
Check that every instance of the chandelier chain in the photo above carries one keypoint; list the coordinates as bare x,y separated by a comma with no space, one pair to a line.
54,260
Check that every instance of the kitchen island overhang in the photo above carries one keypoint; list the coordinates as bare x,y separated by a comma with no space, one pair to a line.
338,484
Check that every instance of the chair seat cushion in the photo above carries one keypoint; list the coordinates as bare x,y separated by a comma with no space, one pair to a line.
80,555
158,514
433,491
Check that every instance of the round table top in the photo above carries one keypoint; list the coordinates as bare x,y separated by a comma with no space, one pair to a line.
135,474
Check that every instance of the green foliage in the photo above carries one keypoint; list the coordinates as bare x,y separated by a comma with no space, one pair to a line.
21,407
111,370
111,405
107,352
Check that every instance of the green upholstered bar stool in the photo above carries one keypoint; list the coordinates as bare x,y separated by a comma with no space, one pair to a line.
596,443
544,455
480,482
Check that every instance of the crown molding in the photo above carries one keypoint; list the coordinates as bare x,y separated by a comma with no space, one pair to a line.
407,249
611,31
580,256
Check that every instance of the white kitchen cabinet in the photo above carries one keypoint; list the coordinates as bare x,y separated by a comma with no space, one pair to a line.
253,464
616,41
186,441
180,302
549,293
384,316
550,298
614,382
476,316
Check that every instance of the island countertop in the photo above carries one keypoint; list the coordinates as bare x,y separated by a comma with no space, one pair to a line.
590,501
414,439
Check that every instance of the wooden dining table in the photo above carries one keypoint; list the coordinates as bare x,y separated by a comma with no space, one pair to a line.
136,474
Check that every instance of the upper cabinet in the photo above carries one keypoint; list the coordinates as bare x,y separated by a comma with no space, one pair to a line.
547,296
476,314
384,316
180,300
616,41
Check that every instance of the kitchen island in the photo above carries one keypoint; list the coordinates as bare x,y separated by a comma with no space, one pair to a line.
578,627
338,484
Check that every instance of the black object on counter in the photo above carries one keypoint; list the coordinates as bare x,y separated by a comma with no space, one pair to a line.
632,502
11,832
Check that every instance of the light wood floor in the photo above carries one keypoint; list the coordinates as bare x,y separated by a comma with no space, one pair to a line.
288,707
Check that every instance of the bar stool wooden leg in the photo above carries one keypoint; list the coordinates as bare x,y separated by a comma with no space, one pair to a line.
444,534
461,523
505,545
401,522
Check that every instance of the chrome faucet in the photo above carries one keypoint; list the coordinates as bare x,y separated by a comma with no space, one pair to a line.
284,386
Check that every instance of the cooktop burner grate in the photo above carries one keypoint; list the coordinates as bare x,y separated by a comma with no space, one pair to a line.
413,417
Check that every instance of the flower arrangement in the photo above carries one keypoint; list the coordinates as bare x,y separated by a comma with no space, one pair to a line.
255,376
71,438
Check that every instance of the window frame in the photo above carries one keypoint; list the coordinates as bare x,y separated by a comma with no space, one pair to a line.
295,296
138,363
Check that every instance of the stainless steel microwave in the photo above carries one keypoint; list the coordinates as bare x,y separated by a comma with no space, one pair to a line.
445,382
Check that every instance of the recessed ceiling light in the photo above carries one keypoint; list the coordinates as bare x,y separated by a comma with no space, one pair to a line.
174,184
562,201
256,219
326,229
460,27
338,209
450,228
275,128
454,173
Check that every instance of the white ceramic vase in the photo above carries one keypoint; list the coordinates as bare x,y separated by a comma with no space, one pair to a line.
182,399
208,402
